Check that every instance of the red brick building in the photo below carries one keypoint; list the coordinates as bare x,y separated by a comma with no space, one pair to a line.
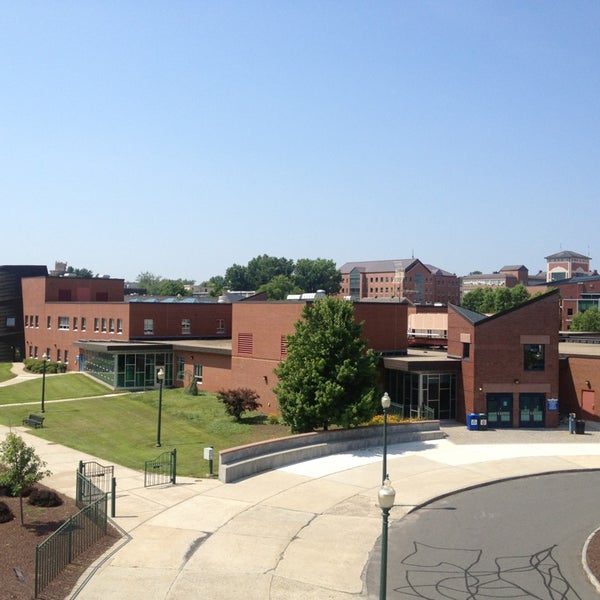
403,279
509,363
506,365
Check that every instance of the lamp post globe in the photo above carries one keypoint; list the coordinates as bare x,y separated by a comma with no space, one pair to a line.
386,496
160,375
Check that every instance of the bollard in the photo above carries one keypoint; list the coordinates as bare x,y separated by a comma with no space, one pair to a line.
208,455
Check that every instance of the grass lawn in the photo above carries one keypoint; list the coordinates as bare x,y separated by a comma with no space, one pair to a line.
5,372
122,429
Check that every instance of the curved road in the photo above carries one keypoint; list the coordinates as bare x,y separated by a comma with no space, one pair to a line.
517,539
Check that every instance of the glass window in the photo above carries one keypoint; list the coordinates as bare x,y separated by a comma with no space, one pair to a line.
104,325
96,324
186,326
220,325
111,325
75,323
533,357
63,322
119,325
180,368
198,372
148,326
83,323
49,322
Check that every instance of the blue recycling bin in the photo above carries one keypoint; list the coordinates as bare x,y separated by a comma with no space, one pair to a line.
473,422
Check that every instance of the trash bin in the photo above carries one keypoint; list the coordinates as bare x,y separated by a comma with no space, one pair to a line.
571,422
482,422
472,421
580,426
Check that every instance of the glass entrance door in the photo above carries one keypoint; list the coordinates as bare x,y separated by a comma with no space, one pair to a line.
499,411
531,410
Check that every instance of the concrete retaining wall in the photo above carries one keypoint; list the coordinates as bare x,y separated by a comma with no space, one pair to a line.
243,461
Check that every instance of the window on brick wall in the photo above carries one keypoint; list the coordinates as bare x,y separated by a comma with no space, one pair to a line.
148,326
63,322
534,357
49,322
119,325
198,372
83,323
186,326
220,325
96,324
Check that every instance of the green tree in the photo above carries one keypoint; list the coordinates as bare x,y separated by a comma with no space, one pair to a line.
587,320
86,273
174,287
279,287
473,300
519,294
262,269
150,282
329,377
502,299
320,274
23,467
236,278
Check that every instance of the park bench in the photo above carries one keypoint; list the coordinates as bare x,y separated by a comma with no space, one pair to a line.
34,421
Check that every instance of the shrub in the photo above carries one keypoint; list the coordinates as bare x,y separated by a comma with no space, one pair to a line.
44,498
239,401
273,419
5,513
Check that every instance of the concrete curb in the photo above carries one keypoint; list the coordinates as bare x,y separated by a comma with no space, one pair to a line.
584,561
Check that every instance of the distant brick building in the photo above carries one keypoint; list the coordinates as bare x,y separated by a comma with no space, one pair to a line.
398,280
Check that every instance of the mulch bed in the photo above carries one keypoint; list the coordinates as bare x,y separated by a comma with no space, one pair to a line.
17,549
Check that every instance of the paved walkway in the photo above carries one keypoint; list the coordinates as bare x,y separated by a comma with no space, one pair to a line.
301,532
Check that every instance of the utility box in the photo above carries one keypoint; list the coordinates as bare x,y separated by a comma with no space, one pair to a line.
208,453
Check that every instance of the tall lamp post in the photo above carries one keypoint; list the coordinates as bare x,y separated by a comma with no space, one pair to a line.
385,404
386,497
160,376
44,360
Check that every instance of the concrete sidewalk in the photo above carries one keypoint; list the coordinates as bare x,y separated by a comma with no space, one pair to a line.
302,532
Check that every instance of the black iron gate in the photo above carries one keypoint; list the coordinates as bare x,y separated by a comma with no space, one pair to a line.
101,476
161,470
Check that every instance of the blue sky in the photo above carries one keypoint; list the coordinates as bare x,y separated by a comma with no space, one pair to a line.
181,137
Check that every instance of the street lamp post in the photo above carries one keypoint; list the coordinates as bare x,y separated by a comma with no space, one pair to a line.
385,404
386,497
44,359
160,376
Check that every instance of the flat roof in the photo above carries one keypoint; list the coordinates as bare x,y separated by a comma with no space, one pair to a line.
210,346
422,360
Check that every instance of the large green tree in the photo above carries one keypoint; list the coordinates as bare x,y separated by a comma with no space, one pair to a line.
587,320
492,300
279,287
329,376
22,466
319,274
262,269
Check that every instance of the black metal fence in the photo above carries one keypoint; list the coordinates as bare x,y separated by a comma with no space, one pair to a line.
74,536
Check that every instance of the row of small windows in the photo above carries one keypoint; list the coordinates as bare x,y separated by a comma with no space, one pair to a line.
61,355
76,323
104,325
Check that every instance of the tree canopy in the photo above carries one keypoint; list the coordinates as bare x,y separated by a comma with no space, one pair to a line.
587,320
267,273
493,300
155,285
329,377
